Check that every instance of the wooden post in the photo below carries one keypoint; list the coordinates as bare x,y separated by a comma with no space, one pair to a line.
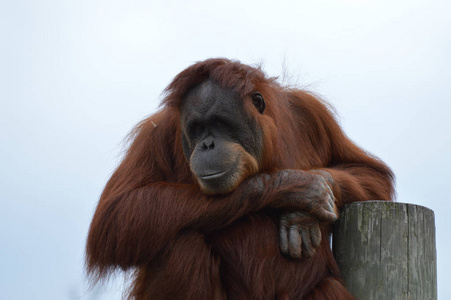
386,250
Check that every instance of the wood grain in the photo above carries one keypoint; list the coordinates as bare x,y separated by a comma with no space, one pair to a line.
386,250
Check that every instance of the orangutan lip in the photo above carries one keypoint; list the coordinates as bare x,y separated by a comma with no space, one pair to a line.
213,176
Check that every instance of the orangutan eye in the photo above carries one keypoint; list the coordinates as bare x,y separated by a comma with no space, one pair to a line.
259,102
196,129
218,123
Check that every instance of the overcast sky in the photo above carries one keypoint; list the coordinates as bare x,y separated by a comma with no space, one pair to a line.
76,76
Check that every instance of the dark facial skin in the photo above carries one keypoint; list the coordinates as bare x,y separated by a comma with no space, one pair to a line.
221,141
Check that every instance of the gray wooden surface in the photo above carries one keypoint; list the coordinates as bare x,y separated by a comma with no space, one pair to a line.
386,250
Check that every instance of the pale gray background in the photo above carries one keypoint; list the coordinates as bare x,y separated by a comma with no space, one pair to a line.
76,76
